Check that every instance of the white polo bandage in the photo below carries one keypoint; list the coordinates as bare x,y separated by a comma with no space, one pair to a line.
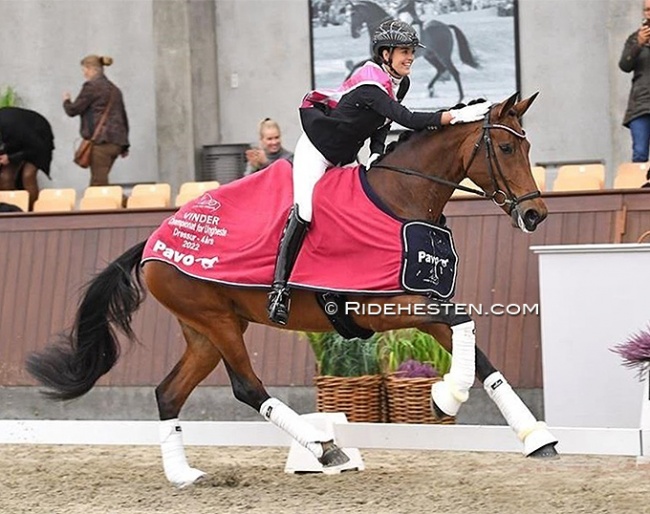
288,420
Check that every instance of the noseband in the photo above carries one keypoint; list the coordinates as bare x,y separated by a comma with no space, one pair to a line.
498,196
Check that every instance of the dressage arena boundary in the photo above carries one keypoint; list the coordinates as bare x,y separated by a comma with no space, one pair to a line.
481,438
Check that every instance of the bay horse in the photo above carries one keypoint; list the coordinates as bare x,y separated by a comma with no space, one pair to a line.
415,181
436,36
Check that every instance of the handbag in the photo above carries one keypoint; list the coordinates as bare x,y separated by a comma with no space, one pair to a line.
84,150
82,153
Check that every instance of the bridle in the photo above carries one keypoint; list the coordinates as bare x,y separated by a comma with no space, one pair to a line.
498,196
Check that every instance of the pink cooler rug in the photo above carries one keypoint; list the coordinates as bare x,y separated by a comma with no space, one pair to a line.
231,234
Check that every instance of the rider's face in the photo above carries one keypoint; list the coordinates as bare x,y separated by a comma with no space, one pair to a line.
402,59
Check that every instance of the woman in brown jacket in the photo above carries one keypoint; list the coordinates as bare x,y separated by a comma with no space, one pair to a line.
97,95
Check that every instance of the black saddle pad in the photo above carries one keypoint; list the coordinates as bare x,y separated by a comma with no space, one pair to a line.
430,260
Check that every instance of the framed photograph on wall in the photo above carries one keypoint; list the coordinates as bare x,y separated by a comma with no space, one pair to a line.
471,46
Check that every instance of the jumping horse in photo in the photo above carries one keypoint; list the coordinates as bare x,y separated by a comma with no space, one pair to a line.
414,181
437,37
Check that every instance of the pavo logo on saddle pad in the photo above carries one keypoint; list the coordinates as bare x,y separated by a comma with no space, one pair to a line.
430,259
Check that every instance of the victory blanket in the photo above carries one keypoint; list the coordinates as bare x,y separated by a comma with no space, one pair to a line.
230,235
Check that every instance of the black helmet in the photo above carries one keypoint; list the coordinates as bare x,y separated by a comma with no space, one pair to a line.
392,34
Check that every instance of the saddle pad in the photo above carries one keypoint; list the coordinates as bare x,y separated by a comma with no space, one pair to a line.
230,235
430,259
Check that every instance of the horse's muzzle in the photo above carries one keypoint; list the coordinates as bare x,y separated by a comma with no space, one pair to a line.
528,219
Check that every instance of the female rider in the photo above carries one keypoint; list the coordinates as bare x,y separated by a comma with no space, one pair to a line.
336,124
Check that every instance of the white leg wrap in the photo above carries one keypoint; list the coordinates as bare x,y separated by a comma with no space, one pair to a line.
450,393
531,432
177,470
288,420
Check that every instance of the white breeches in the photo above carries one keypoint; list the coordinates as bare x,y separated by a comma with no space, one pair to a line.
309,166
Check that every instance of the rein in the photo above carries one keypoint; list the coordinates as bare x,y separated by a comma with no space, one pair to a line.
498,196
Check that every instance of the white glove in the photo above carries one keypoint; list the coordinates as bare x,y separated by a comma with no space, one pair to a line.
372,159
470,113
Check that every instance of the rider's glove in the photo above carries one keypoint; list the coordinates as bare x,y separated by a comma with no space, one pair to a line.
470,113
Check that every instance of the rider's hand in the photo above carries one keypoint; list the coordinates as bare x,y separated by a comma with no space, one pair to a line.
4,159
470,113
372,159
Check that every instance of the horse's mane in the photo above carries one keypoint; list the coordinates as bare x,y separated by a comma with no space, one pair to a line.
408,134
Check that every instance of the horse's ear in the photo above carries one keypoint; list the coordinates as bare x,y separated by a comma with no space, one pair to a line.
507,105
523,106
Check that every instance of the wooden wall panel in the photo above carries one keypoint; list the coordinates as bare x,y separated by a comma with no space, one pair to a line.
46,259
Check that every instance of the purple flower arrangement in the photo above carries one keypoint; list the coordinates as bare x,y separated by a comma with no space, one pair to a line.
415,369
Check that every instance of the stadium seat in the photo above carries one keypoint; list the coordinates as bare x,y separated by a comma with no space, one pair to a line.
539,174
114,192
18,198
99,203
467,183
191,190
142,201
59,197
574,170
161,190
631,175
577,183
59,204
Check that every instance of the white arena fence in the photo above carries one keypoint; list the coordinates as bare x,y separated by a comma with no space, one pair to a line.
585,441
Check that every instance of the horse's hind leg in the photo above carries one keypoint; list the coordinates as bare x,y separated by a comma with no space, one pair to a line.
199,359
447,396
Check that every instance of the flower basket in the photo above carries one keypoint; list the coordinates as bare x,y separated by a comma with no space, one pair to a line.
409,400
360,398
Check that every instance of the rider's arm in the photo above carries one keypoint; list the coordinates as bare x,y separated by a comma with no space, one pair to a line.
380,102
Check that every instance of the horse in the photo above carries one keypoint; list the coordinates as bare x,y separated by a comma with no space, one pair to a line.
414,181
436,36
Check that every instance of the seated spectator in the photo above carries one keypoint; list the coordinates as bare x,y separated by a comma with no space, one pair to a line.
26,144
270,149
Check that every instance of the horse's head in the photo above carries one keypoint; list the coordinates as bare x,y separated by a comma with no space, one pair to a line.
498,162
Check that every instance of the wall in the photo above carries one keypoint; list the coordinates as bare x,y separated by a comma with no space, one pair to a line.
206,71
42,45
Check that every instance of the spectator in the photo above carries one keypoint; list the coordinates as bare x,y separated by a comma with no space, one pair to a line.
636,59
97,95
270,147
26,144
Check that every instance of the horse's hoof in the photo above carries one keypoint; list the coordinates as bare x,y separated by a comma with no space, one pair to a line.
437,412
333,456
191,477
547,451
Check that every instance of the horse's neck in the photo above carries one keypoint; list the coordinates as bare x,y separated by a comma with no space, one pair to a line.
411,197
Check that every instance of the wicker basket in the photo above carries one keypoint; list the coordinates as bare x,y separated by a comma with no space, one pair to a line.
360,398
409,400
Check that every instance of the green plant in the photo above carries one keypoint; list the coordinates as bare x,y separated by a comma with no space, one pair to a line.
398,346
8,97
336,356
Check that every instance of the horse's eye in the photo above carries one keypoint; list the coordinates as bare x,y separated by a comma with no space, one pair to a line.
506,148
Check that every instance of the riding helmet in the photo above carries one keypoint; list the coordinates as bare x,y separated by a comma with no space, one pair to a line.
392,34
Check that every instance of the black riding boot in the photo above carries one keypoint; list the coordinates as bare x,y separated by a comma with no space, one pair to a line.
290,244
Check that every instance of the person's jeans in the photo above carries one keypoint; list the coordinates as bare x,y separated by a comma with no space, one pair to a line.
640,129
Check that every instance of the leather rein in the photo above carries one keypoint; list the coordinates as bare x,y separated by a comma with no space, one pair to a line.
498,196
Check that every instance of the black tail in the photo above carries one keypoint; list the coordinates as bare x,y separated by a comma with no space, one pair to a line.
70,367
463,48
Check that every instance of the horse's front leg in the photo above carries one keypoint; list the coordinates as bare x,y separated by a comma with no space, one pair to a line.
447,396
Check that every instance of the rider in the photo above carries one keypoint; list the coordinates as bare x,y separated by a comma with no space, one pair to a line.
336,124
